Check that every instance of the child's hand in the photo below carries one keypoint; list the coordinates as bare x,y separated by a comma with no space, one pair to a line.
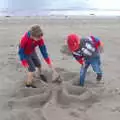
101,49
83,65
55,74
56,77
24,63
52,68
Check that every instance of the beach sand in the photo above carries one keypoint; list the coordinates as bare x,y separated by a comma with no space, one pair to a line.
65,101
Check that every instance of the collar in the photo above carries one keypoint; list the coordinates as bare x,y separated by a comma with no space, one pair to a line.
28,34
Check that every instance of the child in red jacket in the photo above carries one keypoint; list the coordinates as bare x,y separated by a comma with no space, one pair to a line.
87,52
28,56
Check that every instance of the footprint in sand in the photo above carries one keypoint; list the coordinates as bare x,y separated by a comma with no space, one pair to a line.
29,97
26,114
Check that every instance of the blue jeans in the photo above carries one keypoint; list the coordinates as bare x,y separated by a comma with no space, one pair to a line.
95,63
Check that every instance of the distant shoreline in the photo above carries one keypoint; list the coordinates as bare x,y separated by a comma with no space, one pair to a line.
62,17
99,13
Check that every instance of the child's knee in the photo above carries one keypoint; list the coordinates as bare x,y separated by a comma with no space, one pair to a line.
31,69
39,66
95,67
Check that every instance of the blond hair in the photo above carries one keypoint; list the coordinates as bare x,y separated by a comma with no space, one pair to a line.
36,31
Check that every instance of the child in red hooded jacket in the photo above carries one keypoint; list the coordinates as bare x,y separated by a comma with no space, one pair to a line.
28,55
87,52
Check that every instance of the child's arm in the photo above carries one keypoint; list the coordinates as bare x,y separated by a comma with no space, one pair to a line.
80,59
98,43
44,52
21,53
46,57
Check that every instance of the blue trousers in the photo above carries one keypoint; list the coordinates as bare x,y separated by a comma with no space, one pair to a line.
95,62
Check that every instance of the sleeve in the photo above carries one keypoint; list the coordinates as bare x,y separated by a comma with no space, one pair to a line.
97,41
21,52
80,59
44,52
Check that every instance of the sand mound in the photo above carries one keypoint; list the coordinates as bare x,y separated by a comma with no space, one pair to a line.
52,98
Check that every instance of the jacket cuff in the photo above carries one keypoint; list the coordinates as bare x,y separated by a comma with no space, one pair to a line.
81,61
48,61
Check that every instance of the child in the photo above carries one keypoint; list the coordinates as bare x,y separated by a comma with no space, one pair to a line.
28,56
87,52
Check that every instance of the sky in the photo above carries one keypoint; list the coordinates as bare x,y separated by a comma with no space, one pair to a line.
105,4
59,4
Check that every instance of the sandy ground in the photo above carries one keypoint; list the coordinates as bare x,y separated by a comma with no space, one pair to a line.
66,101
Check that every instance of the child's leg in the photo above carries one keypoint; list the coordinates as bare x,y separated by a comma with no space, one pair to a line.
83,74
37,63
29,78
31,70
38,71
96,65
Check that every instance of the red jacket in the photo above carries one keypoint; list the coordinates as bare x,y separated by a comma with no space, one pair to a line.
79,55
28,45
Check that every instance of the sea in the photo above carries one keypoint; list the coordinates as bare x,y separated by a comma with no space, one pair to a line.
52,8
